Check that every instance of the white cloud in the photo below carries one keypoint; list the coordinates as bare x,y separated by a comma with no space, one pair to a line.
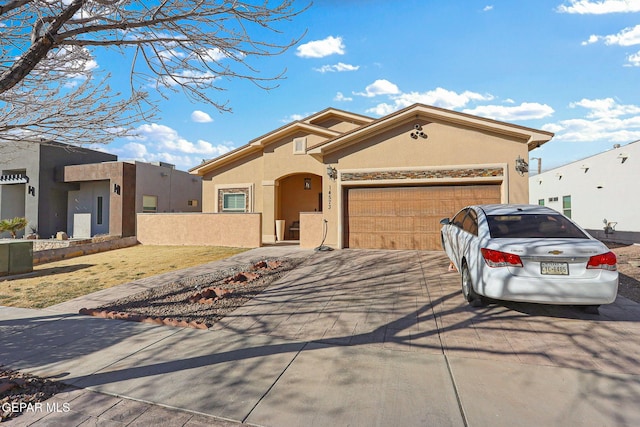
438,97
607,107
606,120
185,77
294,118
337,68
590,7
630,36
321,48
341,98
487,8
379,87
524,111
135,150
156,142
634,59
215,54
201,117
382,109
592,39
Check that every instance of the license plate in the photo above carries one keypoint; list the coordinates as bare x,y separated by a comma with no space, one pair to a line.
555,268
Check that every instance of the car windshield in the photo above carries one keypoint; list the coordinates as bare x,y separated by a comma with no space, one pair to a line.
533,226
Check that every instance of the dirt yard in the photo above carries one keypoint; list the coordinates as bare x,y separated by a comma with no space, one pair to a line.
61,281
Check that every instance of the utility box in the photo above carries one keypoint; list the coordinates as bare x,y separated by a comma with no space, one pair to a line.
16,257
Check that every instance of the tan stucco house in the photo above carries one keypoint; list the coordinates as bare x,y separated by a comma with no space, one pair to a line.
352,181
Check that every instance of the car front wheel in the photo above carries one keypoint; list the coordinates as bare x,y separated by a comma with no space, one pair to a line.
468,292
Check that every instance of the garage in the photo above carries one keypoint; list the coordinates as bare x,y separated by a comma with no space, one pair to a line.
406,217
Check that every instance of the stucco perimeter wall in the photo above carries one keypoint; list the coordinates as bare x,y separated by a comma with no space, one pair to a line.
311,230
241,230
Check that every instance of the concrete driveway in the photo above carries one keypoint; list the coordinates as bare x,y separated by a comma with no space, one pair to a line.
355,337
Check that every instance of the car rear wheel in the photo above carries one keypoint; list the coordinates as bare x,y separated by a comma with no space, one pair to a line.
468,292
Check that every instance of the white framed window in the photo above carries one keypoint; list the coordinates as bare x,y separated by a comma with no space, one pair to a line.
234,197
149,204
234,202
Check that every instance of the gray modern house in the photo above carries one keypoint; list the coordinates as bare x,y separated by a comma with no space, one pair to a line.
32,185
83,192
110,194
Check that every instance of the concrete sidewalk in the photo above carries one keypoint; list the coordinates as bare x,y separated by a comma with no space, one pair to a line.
348,338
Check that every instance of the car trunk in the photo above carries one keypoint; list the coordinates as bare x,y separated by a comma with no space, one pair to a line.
555,258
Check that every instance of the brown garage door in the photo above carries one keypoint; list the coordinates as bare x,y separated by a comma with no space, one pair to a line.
406,217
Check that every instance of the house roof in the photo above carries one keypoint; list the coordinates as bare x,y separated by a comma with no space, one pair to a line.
533,137
310,125
367,126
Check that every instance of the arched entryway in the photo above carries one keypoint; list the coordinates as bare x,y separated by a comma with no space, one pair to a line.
297,193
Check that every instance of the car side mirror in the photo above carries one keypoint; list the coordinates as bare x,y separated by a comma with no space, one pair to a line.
445,221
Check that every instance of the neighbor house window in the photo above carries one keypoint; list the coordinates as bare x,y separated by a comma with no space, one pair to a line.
99,211
234,202
553,199
149,204
541,202
566,206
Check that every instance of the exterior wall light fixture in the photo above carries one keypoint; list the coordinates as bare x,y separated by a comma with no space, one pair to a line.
585,168
521,166
332,172
418,132
623,157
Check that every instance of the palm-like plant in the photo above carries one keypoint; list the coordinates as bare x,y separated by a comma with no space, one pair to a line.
13,225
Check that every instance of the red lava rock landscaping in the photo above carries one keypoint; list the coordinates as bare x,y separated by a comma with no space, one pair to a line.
211,295
196,302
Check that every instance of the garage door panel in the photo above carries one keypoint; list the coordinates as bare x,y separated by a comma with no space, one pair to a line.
431,224
366,207
406,217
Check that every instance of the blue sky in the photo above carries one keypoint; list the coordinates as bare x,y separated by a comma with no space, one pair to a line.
571,67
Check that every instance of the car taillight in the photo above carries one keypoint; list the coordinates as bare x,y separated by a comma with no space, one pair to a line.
606,261
500,259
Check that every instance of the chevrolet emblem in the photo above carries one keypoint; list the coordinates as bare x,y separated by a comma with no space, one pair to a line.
556,252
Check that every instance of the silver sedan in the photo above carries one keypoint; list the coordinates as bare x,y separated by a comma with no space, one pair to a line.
528,253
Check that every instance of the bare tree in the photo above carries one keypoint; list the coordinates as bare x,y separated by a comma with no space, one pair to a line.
50,85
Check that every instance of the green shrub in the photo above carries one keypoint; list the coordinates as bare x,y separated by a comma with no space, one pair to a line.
13,225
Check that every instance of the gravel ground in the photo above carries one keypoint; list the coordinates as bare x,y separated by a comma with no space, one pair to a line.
201,300
18,390
172,300
629,278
